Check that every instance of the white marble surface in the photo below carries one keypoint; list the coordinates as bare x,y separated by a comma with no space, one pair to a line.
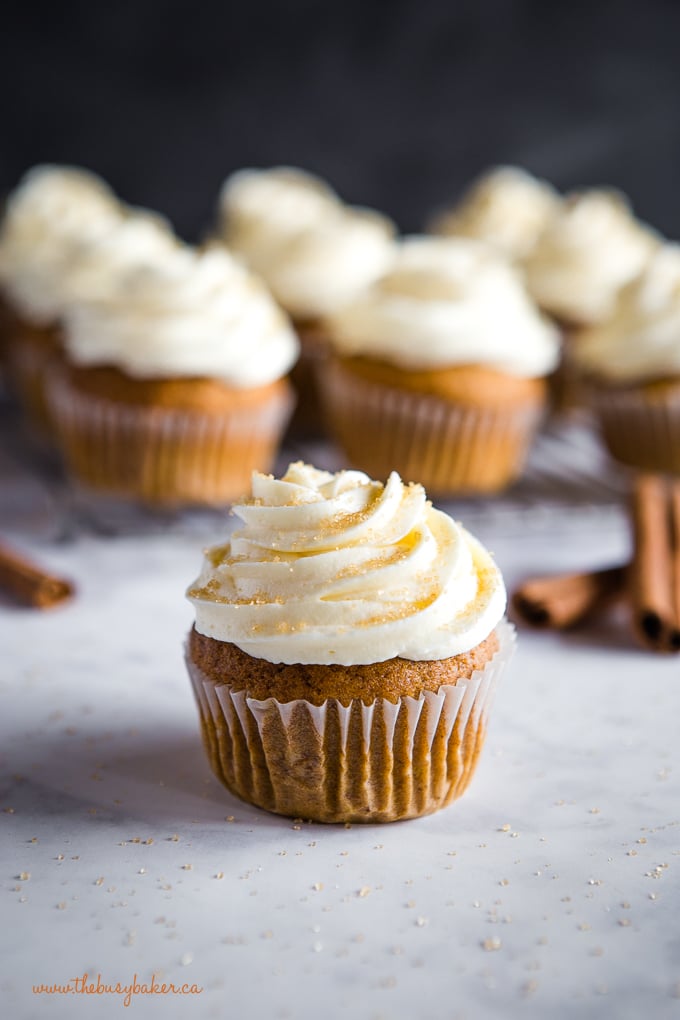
550,889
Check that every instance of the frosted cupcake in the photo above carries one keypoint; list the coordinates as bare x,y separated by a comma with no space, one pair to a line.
439,369
314,253
174,388
593,248
507,208
631,364
347,646
51,214
586,255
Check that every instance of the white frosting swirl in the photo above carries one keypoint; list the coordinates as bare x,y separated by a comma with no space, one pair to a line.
188,313
641,341
592,249
336,568
52,213
314,252
507,208
447,302
131,243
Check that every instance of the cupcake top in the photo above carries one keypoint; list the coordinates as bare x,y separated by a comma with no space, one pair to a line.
186,314
336,568
313,251
592,249
52,213
507,208
447,302
135,240
641,340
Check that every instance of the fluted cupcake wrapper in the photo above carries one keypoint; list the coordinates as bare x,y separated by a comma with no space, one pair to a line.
450,448
639,430
30,354
357,763
165,456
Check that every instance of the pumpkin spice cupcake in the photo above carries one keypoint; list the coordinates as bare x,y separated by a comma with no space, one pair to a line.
314,253
174,386
439,369
347,645
49,216
631,368
591,249
588,252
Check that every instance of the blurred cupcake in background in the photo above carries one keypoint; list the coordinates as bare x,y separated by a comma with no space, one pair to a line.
631,364
439,369
174,386
314,253
50,215
506,207
585,256
593,248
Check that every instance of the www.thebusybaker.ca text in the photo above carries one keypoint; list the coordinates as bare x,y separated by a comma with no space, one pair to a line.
86,986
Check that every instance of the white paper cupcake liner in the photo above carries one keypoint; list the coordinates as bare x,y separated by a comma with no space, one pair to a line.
165,456
639,430
448,447
334,763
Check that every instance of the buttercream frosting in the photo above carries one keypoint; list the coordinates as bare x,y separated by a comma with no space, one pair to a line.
506,207
588,252
188,313
50,216
447,302
337,568
139,238
641,340
314,252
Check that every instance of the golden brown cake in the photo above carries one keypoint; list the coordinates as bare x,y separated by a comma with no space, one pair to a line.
322,693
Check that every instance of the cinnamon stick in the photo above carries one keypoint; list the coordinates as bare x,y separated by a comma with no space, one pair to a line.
28,584
565,600
655,570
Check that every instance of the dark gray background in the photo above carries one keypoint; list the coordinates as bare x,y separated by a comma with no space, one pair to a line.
397,104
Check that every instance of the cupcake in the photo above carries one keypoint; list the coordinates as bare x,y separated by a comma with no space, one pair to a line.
593,248
631,365
314,253
586,255
439,369
347,645
173,389
53,212
506,207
